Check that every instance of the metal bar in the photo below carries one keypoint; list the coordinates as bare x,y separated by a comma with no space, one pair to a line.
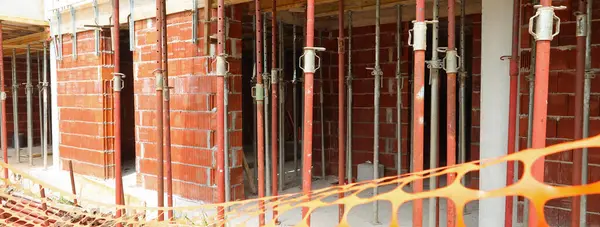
321,113
45,109
3,134
29,88
434,66
167,110
451,107
281,109
15,103
132,26
586,111
581,34
295,100
160,7
226,140
60,37
274,108
207,31
462,127
39,86
96,31
252,82
341,100
418,115
259,97
399,87
117,86
195,21
74,33
267,111
530,112
73,188
515,175
308,109
349,105
221,72
540,104
512,113
376,100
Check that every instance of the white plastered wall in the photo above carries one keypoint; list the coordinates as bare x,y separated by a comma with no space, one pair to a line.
496,41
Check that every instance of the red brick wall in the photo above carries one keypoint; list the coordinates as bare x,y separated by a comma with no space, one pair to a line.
193,106
363,56
84,106
561,108
21,67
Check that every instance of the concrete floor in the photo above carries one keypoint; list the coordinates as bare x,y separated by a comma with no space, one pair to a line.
102,191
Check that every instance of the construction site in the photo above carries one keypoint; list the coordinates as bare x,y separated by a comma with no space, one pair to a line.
300,113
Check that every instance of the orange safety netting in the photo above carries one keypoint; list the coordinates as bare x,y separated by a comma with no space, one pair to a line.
24,203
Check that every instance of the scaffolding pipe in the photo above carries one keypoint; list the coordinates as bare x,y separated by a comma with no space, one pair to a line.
259,98
45,108
252,81
117,86
321,113
267,111
462,102
29,91
530,111
281,109
309,71
295,101
399,87
274,108
167,112
3,133
586,111
39,86
159,74
581,34
544,35
376,71
221,72
434,77
451,63
512,113
349,104
341,99
418,107
15,104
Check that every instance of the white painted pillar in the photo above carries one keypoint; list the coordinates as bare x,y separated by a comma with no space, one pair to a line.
496,41
54,109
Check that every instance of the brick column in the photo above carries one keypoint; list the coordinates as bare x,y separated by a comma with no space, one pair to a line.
193,106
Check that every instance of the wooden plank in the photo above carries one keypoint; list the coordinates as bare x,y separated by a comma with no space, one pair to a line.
36,37
24,20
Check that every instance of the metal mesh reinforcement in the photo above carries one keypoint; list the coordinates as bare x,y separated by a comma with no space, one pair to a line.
27,201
